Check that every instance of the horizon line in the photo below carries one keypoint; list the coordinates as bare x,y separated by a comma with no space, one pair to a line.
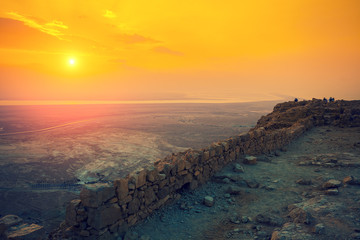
99,102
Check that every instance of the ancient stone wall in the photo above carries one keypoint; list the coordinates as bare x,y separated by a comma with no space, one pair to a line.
105,210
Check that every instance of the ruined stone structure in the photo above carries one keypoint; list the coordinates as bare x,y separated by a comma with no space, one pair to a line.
104,210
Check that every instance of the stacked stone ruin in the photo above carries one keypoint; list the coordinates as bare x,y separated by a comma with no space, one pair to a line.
106,210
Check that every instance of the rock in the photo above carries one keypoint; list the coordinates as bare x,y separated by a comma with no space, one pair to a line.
238,168
84,233
291,231
299,215
134,206
122,189
227,195
269,187
226,180
10,220
71,214
103,216
149,196
250,160
234,190
348,180
269,219
331,184
26,231
208,201
319,228
244,219
235,219
252,183
332,191
302,181
93,195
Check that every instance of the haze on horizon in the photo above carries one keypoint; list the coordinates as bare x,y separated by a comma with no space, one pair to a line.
181,51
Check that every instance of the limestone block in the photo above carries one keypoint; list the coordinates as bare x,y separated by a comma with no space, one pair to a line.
103,216
134,206
94,195
180,165
163,192
149,196
225,146
206,156
71,212
188,178
152,174
122,188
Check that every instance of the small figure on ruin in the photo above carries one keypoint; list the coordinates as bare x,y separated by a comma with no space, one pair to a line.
325,100
296,100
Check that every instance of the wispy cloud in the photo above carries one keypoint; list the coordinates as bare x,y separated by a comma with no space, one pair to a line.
134,38
51,28
109,14
165,50
58,24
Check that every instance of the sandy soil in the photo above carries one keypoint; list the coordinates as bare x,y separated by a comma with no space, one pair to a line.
267,192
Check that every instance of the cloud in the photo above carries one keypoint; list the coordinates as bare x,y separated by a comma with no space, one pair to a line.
51,28
109,14
165,50
134,38
58,24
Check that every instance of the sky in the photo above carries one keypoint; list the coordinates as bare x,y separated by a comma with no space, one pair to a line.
161,50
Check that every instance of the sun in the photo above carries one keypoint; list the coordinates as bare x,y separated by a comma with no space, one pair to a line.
71,61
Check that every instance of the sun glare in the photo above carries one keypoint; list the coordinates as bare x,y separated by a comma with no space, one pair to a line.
71,62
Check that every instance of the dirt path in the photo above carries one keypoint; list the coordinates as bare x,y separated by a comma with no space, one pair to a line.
284,192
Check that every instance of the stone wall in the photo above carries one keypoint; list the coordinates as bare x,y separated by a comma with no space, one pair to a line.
105,210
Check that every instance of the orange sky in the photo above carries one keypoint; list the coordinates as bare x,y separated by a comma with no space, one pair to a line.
179,50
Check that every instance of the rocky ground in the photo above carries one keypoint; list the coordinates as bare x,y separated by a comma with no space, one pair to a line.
308,190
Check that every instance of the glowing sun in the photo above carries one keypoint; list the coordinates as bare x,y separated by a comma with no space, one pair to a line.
71,62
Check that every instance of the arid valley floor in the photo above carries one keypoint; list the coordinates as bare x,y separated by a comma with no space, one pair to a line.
42,169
